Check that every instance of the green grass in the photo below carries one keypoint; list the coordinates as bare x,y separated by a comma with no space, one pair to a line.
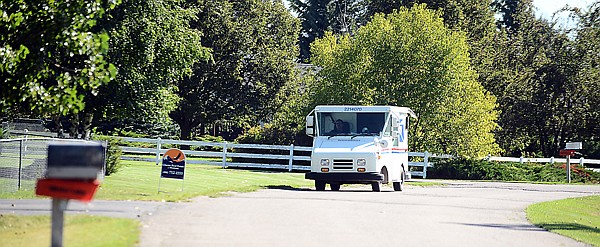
139,180
424,184
80,230
577,218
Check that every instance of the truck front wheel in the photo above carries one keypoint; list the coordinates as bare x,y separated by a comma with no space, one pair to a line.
319,185
376,186
335,186
398,185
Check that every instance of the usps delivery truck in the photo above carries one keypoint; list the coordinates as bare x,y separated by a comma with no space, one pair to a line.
359,145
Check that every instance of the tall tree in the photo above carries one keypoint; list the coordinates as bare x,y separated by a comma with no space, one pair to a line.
253,44
409,58
51,56
315,20
153,46
586,122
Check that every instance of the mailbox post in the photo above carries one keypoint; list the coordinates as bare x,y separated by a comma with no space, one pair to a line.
73,172
569,151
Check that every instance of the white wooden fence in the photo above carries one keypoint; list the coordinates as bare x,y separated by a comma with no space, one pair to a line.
232,150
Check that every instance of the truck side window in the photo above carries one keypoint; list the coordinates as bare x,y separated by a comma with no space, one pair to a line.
388,127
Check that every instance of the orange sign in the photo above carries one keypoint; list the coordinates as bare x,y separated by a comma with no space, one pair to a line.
67,189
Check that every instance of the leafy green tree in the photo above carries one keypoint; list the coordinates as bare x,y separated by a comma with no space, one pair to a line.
253,44
153,46
512,13
51,56
315,20
587,122
410,58
474,17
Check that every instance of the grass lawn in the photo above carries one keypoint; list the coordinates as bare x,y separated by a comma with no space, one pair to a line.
577,218
80,230
139,180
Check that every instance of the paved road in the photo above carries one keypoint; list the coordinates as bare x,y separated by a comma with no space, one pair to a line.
459,214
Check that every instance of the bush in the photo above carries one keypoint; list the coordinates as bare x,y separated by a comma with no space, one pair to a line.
4,133
275,135
113,154
472,169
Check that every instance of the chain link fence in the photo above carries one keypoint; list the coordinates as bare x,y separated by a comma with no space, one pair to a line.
23,161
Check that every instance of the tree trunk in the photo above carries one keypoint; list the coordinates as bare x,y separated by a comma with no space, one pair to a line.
87,125
74,130
186,133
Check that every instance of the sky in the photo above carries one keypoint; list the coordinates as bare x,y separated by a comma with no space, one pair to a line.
545,8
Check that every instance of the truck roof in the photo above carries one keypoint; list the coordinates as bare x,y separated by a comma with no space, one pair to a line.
358,108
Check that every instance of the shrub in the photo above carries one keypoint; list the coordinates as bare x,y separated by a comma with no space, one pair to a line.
4,133
113,154
472,169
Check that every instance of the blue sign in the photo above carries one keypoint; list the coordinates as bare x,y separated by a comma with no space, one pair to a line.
173,164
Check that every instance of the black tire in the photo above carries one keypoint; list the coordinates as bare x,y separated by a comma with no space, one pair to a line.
376,186
335,186
319,185
398,186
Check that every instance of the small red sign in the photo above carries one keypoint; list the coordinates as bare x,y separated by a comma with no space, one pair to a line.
67,189
566,152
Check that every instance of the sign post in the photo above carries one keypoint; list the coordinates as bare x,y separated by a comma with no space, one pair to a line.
173,166
569,151
73,171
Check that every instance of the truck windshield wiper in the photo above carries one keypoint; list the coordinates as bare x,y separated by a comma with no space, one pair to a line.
361,134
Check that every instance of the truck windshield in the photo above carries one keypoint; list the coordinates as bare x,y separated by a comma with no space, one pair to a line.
350,123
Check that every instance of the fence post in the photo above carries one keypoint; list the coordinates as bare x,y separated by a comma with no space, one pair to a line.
20,163
552,160
291,157
581,162
25,144
158,144
521,160
224,154
426,161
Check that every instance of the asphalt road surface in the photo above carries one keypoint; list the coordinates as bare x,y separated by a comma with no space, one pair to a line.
459,214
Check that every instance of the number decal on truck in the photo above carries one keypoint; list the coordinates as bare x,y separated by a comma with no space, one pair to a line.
352,108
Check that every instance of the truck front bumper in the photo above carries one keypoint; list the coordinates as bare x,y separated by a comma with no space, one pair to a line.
345,177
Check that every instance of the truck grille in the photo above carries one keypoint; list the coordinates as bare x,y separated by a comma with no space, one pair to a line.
343,164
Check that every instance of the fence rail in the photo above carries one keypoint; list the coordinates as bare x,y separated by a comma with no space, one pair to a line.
227,152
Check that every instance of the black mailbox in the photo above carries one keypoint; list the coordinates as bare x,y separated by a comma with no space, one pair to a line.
75,160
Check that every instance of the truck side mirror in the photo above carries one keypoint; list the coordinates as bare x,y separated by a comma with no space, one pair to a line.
310,123
395,124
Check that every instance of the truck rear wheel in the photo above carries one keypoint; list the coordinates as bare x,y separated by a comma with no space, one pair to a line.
319,185
398,185
335,186
376,186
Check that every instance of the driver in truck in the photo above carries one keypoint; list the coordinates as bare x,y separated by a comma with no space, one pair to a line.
338,128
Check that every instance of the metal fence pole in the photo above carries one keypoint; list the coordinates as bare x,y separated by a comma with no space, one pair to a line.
20,163
158,144
552,160
426,161
224,154
291,157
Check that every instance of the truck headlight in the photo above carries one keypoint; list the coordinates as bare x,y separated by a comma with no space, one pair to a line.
361,162
324,162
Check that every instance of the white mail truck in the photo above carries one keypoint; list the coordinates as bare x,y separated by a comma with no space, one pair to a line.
359,145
